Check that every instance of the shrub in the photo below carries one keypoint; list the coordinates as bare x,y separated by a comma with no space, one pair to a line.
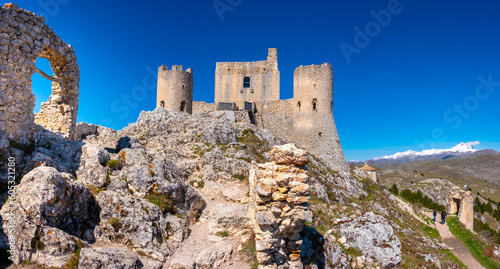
116,223
113,164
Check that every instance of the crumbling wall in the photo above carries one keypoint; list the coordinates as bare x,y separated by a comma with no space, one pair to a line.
280,192
23,38
462,202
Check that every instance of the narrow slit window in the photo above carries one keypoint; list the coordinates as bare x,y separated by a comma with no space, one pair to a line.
246,82
315,104
183,106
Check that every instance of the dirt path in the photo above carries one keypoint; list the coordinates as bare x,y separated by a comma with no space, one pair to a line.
455,245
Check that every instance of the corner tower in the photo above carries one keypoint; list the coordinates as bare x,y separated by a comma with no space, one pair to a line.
313,125
175,89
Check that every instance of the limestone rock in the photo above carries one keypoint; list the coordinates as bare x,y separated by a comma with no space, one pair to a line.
134,220
108,257
213,256
232,218
373,235
49,207
288,154
93,170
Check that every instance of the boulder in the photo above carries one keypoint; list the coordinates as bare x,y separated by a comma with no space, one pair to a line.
48,209
288,154
374,237
214,256
108,257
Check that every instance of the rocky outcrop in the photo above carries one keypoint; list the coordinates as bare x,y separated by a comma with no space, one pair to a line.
132,220
108,257
280,193
50,208
374,237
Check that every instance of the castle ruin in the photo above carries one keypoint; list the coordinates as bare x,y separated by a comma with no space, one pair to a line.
461,202
306,119
24,37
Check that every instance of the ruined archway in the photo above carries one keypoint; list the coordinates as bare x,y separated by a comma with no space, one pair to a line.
27,38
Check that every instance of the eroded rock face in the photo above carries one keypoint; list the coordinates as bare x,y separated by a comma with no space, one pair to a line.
108,257
129,219
374,236
280,194
24,37
50,210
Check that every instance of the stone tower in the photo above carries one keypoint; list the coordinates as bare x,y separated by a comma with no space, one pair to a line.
313,125
239,82
175,89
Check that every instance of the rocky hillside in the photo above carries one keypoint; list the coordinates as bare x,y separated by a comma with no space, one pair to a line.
174,190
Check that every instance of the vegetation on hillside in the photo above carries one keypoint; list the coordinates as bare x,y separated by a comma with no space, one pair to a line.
476,246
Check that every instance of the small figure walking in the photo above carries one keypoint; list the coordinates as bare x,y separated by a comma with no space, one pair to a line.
443,217
434,215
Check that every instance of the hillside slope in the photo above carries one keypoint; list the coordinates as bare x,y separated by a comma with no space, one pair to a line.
175,190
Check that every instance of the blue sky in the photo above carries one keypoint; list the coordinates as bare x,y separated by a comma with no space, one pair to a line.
428,77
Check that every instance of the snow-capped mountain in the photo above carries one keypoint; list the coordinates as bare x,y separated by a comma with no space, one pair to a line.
462,150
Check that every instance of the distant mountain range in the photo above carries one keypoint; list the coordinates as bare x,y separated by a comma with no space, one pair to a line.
460,151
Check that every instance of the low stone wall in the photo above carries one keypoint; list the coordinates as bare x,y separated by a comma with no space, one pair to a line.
280,191
200,106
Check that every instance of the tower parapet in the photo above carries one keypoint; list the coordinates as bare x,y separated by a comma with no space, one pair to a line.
175,89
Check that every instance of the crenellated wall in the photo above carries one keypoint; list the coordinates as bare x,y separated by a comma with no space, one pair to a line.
175,89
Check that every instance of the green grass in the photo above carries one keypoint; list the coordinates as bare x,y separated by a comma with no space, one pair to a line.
36,242
255,146
472,242
75,259
431,232
116,223
240,176
163,201
113,164
223,234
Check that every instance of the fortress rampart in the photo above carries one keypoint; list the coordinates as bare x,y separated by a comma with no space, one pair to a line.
306,119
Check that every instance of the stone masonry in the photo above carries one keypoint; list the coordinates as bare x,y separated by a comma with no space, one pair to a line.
462,202
263,80
24,37
175,89
306,119
279,193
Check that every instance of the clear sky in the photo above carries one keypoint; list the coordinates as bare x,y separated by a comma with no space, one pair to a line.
409,74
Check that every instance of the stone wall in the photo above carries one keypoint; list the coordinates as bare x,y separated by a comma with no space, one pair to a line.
462,202
280,192
24,37
175,89
201,106
264,80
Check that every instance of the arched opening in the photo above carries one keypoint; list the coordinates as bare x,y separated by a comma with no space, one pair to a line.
315,104
162,103
41,86
183,106
298,106
320,134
